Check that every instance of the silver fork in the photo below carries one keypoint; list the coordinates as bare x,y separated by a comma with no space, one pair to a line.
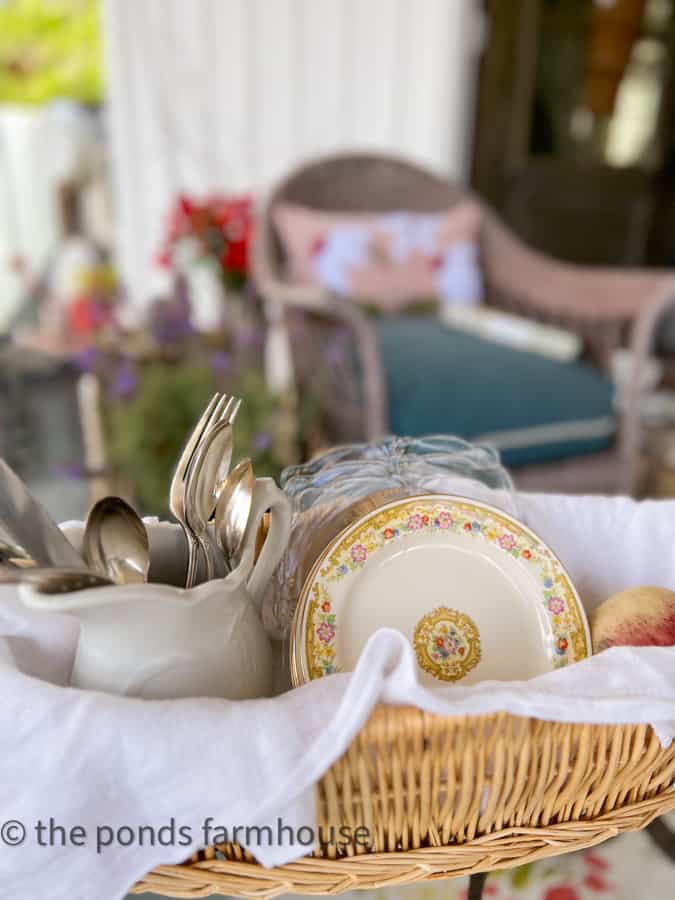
211,415
204,483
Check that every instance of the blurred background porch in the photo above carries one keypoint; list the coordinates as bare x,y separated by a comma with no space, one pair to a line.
403,216
140,145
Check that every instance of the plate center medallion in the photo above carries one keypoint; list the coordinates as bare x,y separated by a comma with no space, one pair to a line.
447,644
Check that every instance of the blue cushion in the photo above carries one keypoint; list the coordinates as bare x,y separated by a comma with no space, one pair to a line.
530,407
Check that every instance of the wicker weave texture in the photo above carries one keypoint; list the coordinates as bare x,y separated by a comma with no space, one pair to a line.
442,797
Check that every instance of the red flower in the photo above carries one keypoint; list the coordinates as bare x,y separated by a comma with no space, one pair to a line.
467,526
85,316
527,554
235,257
439,641
185,205
561,892
596,883
222,225
325,606
596,861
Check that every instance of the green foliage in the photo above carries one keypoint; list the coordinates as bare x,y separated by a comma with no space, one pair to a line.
148,431
49,49
521,875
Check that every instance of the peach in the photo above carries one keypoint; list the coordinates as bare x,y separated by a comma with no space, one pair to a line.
637,617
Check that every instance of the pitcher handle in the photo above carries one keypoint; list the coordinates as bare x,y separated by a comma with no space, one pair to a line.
266,496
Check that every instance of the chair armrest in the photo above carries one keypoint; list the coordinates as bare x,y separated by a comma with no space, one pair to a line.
598,302
641,342
574,294
283,294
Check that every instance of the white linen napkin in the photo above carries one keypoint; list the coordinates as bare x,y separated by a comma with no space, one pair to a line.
108,765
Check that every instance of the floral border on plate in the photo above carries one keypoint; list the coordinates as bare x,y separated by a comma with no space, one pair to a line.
351,551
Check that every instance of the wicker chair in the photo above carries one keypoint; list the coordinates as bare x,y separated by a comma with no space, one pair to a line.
606,307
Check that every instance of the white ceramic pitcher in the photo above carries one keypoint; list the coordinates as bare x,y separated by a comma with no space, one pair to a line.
157,641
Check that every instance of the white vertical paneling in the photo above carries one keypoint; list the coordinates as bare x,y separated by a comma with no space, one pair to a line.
183,49
427,84
229,94
322,26
346,38
275,109
156,159
252,122
196,39
399,132
29,225
372,75
229,114
131,216
299,39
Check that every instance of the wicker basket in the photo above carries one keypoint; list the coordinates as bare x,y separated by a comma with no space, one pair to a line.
444,797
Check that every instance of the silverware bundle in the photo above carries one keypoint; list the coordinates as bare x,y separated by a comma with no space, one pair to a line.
201,477
115,547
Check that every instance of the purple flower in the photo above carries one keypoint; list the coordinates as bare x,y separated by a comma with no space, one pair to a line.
249,337
69,470
125,382
170,320
88,359
221,362
262,441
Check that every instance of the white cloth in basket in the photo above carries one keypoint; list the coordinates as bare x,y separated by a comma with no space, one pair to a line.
101,763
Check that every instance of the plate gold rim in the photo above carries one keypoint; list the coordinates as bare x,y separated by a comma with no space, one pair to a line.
300,673
346,517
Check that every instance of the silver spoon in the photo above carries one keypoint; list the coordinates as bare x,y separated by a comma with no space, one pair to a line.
10,553
221,408
54,580
115,542
233,509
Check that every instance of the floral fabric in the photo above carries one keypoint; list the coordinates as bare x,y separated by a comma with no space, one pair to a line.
387,260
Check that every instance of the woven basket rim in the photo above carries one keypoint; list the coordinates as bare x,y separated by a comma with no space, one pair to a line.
314,875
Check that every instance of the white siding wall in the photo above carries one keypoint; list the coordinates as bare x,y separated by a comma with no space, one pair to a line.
228,94
28,214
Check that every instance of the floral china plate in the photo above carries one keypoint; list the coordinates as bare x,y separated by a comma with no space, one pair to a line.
477,593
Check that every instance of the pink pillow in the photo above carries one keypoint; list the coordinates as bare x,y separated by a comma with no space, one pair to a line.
386,259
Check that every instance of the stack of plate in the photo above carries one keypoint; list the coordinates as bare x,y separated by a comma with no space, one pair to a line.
477,593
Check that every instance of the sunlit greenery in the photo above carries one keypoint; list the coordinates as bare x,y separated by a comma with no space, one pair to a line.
49,49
